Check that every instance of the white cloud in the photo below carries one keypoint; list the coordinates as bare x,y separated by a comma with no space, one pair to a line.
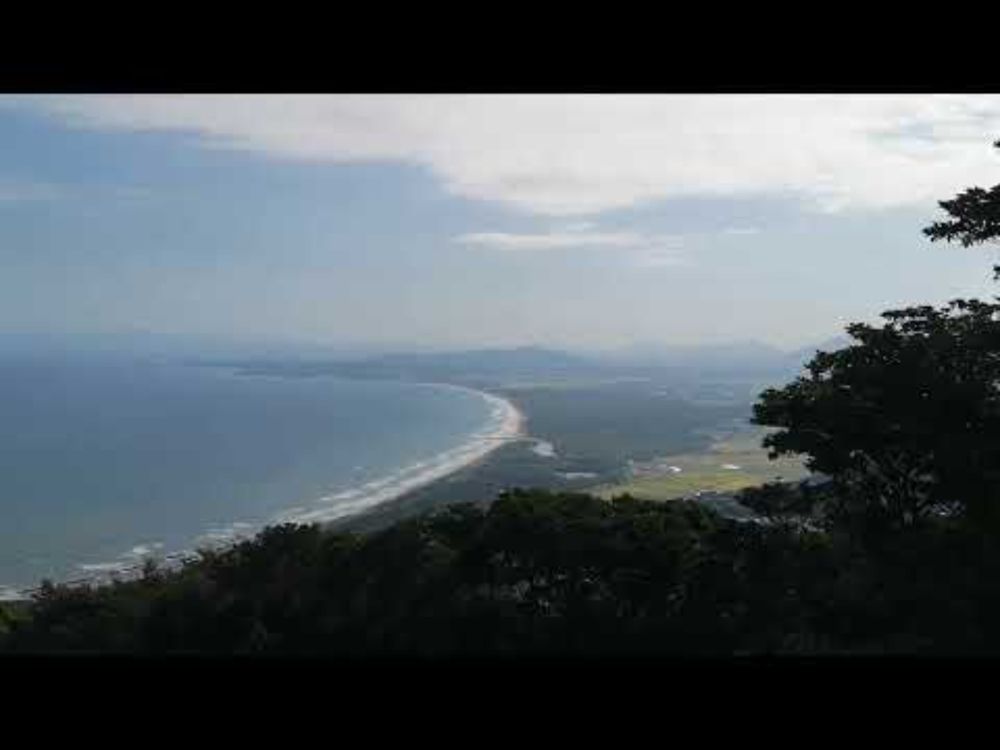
554,240
636,248
574,155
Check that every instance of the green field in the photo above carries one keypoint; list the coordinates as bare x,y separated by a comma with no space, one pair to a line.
706,471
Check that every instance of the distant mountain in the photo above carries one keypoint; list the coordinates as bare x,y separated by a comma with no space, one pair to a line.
524,358
740,359
832,344
471,366
736,356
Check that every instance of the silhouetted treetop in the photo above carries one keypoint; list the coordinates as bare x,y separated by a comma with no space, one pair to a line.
975,218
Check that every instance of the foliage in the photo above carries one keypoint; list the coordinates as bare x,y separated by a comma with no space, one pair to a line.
784,500
532,573
975,218
907,419
540,573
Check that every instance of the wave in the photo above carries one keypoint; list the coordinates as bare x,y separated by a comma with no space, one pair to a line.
544,448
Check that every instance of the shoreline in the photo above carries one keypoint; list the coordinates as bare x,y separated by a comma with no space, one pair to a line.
505,424
381,491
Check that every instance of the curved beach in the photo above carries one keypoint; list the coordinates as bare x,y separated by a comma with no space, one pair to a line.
506,423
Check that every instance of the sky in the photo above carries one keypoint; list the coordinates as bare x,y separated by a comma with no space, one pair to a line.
455,221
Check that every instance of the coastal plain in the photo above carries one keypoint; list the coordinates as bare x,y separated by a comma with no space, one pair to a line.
608,438
728,465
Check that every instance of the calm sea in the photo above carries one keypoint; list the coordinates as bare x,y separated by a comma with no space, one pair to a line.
102,464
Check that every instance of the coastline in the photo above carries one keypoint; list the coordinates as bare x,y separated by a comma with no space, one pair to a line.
505,424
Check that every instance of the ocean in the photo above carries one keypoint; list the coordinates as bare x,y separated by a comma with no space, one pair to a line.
105,463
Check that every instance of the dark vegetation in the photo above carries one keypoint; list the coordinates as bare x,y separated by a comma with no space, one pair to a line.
532,573
600,428
898,553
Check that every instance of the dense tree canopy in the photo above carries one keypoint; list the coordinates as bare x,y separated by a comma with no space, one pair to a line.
541,574
533,573
906,419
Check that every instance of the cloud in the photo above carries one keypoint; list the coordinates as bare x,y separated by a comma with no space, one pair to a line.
554,240
637,248
578,155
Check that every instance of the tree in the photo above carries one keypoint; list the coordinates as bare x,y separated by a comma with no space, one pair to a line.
975,218
907,419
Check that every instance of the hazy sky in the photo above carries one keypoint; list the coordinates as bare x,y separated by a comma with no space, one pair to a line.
578,221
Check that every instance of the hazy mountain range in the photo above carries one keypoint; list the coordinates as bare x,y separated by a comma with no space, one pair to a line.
740,354
747,360
375,361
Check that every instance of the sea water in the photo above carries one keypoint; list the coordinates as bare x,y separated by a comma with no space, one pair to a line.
103,464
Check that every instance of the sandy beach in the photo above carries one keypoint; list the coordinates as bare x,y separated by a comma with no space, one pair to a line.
506,424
